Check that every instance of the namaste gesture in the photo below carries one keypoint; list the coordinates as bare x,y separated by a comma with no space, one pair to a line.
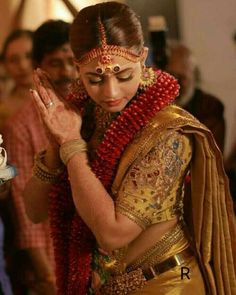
61,119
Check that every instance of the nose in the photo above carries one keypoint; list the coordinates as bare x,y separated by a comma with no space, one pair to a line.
25,64
111,87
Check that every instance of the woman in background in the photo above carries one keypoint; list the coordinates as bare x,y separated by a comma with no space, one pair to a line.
17,60
115,171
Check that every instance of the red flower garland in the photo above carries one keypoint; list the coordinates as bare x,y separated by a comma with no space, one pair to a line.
72,239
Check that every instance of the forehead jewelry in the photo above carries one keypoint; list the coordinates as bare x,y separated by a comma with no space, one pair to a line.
104,54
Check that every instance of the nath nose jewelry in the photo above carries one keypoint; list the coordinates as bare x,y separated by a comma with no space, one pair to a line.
50,104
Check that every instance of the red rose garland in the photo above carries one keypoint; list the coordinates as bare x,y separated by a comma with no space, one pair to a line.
71,237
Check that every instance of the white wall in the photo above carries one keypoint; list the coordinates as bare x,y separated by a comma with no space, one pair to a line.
207,27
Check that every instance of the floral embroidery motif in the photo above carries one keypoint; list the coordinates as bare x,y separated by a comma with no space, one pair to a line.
153,189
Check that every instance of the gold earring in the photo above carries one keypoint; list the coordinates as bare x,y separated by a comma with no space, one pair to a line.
147,78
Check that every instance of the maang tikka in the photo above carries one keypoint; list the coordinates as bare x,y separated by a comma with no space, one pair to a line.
105,52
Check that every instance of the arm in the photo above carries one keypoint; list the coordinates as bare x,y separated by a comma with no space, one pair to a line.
36,191
30,237
92,201
44,283
112,230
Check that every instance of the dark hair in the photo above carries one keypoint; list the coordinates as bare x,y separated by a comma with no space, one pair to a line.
14,35
122,28
48,37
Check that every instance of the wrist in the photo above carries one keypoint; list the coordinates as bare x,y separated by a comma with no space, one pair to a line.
52,158
45,172
70,148
69,139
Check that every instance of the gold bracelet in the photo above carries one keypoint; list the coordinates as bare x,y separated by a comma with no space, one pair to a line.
44,173
70,148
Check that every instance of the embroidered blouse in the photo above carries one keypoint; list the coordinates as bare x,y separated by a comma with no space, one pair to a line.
152,190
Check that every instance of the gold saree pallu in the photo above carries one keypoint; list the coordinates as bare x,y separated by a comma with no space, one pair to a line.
211,221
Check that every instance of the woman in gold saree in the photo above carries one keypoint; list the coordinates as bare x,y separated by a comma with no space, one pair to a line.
115,173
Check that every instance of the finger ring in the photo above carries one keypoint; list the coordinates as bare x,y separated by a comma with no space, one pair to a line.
50,104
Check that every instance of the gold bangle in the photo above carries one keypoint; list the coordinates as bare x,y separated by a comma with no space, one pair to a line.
44,173
70,148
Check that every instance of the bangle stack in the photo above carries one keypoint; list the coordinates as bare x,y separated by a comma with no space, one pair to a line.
70,148
44,173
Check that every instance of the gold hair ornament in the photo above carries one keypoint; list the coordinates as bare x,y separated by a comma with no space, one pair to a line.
105,52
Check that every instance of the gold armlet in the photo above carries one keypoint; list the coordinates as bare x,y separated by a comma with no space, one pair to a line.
44,173
70,148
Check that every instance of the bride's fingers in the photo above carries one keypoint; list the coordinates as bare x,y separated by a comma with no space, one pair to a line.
38,101
45,80
47,95
45,87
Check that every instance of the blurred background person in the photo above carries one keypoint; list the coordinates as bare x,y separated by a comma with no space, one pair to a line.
5,82
24,136
231,160
17,60
207,108
17,67
5,87
5,285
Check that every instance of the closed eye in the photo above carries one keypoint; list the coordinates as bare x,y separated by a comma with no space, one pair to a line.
125,77
95,80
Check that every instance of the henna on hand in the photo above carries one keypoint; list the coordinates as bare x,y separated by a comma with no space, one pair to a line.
62,120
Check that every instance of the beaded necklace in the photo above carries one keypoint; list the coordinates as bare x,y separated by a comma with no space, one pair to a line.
73,241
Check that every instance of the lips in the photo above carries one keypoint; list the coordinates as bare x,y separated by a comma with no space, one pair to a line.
113,103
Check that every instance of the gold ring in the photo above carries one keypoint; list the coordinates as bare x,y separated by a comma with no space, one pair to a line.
50,104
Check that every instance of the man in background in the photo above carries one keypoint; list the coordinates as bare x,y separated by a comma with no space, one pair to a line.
207,108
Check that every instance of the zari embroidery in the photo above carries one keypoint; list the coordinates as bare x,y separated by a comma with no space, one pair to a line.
152,191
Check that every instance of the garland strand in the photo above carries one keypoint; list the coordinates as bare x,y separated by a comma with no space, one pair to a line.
71,237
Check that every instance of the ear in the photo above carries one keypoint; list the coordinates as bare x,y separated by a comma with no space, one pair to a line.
144,55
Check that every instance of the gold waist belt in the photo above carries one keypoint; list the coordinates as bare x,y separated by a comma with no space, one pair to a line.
172,242
175,260
134,280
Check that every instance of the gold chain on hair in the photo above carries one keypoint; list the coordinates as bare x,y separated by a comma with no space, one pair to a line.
105,52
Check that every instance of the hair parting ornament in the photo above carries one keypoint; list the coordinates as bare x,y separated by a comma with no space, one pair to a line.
104,54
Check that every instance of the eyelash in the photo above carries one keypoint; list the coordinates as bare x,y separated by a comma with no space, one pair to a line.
130,77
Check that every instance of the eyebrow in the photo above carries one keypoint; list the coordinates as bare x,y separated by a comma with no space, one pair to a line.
100,75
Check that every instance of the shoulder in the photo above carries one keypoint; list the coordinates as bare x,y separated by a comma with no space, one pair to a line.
173,116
